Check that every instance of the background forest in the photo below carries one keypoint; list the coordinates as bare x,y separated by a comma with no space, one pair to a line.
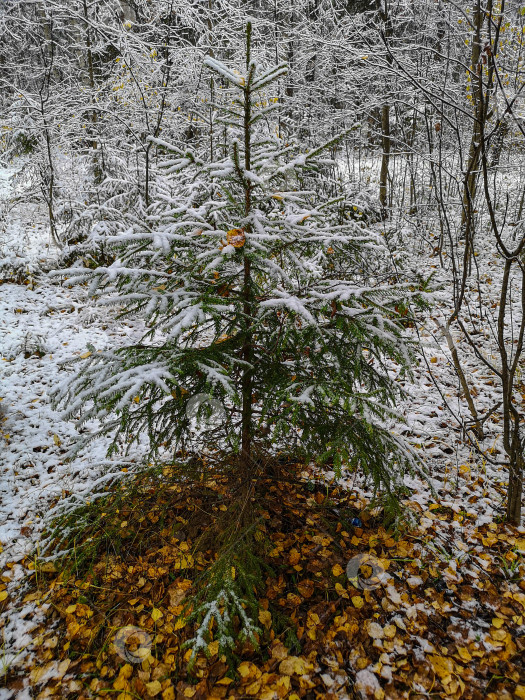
263,265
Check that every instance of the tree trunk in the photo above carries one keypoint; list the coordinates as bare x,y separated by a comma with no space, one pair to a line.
247,349
499,141
385,126
385,159
97,170
515,489
479,113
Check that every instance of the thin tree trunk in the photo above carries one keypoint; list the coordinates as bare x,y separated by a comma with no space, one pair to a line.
480,112
385,159
97,170
515,489
499,142
462,379
385,127
247,350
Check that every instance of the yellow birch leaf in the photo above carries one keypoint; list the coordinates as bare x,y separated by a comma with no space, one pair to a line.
37,673
236,237
337,570
265,618
294,557
121,684
213,647
498,635
62,668
464,654
341,591
156,614
185,562
247,670
153,688
126,671
442,666
253,688
294,665
180,624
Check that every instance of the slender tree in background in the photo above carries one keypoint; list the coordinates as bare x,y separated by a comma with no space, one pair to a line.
385,120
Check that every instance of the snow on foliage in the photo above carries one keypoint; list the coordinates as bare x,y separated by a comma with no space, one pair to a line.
258,290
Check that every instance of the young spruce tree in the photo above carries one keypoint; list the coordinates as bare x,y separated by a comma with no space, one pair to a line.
256,294
259,295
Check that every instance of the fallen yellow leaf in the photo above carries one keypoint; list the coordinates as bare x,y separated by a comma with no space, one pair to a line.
464,654
126,671
498,635
294,557
265,618
442,666
184,562
247,670
156,614
225,681
153,688
294,665
213,647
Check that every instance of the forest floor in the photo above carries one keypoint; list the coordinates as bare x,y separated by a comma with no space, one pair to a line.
443,615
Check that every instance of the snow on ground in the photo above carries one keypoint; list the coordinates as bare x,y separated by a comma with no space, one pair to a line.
42,324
